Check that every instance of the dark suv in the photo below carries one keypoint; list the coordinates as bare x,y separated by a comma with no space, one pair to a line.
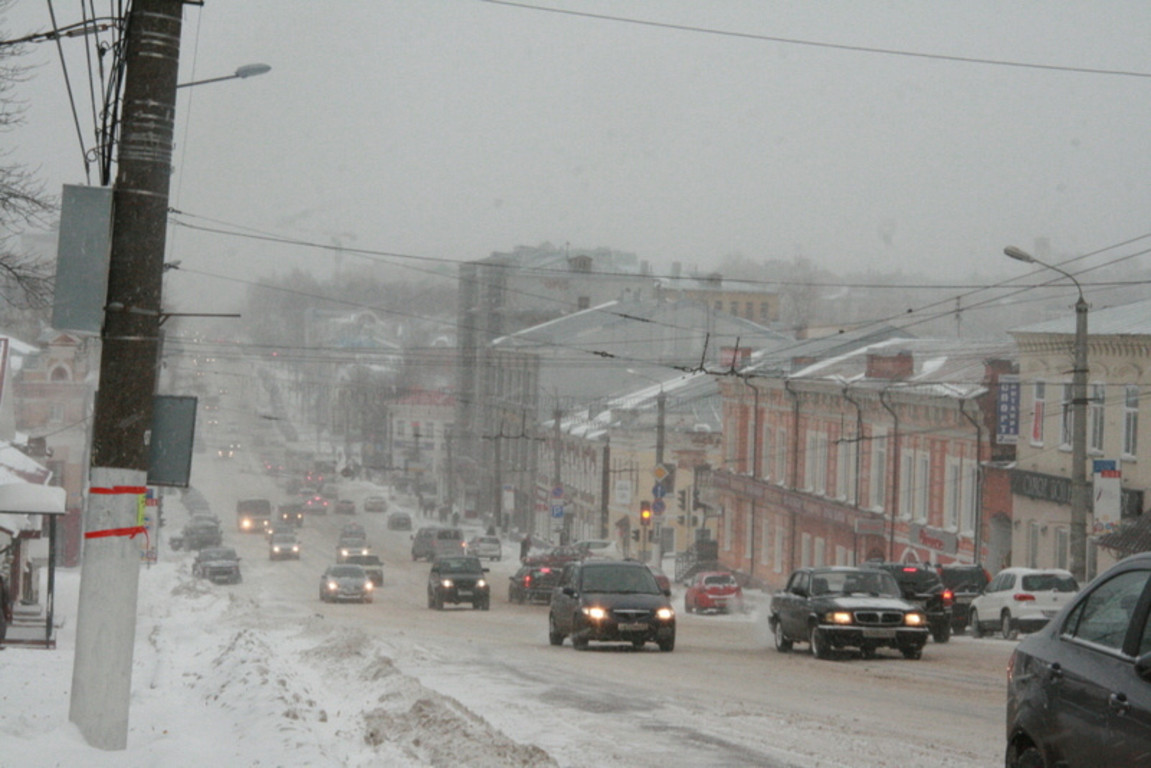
611,601
458,580
921,585
966,582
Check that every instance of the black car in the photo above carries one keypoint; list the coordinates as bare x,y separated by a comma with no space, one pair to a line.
920,584
965,583
533,584
350,545
291,514
1079,689
611,601
398,521
845,607
283,546
201,533
458,580
219,565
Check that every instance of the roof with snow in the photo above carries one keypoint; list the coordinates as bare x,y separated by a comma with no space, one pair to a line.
1123,320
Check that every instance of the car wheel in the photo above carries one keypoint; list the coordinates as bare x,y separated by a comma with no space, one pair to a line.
1030,757
487,605
818,642
431,601
579,641
668,645
941,633
555,637
439,602
976,630
782,643
1005,626
913,652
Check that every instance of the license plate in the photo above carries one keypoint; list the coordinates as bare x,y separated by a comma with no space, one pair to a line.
878,633
465,593
633,627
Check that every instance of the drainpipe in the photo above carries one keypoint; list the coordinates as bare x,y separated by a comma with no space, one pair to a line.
754,475
858,458
978,554
895,467
794,458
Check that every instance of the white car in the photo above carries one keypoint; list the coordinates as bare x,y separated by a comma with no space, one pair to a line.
1021,600
600,548
486,547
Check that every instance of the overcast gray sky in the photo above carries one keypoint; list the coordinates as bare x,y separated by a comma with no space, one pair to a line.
453,128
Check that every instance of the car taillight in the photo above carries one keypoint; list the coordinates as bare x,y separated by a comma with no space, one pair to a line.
948,597
1022,597
527,581
910,569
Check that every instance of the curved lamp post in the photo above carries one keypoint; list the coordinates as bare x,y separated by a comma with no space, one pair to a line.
1080,493
248,70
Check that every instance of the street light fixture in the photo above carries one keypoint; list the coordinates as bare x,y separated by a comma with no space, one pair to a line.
1080,493
248,70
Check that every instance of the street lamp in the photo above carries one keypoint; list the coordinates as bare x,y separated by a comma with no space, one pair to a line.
1080,494
248,70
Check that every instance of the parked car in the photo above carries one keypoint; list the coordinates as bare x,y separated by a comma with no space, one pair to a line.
965,583
343,582
610,601
713,591
661,578
845,607
372,566
1079,688
200,533
533,584
376,504
349,546
291,514
488,547
345,507
458,580
284,546
219,565
557,557
921,585
1021,600
397,521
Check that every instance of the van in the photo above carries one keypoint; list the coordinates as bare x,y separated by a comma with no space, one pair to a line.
424,544
449,542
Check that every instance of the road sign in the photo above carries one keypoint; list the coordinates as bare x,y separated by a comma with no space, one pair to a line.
558,492
657,491
658,506
557,511
660,472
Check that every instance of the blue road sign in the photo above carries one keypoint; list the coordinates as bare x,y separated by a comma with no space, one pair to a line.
658,506
657,491
557,510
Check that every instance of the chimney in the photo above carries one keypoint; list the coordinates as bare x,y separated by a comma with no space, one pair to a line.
901,365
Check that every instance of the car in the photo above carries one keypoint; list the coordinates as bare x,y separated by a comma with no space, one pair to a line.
345,507
291,514
920,584
200,533
424,544
375,504
835,607
557,557
397,521
348,546
661,578
284,546
458,580
485,547
372,566
345,582
713,591
253,515
610,601
315,504
353,530
965,583
1021,600
1079,688
533,584
600,548
219,565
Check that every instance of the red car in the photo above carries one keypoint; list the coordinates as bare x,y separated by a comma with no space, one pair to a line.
713,591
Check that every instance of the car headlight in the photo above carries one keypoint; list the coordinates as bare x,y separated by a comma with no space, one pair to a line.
368,585
595,613
245,523
839,617
333,586
295,549
481,583
344,552
447,584
914,619
276,550
665,614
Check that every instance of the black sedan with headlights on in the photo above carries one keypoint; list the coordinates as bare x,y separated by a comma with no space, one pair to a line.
283,546
458,580
839,607
611,601
346,583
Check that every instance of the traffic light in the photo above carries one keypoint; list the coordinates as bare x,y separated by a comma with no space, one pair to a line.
645,513
635,535
683,499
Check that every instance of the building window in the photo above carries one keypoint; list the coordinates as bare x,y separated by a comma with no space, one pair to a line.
749,309
735,308
922,487
906,484
815,463
878,471
970,496
777,550
748,462
819,557
845,470
841,555
1066,417
805,550
953,495
781,457
1130,421
1062,547
763,312
1033,545
1037,408
727,526
765,543
719,306
583,302
1095,422
765,454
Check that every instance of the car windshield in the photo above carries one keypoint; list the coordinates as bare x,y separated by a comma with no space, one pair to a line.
283,538
346,572
460,565
1048,582
619,579
218,554
874,583
366,560
719,580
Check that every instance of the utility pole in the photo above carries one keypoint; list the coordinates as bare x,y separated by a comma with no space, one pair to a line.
557,463
106,620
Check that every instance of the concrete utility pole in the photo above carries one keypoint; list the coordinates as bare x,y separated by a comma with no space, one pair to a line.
106,621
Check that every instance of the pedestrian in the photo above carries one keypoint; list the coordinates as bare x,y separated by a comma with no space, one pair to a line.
5,611
525,547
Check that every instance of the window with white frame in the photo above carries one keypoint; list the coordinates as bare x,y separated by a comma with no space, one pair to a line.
781,456
970,471
727,526
845,469
878,470
748,534
1033,545
815,463
952,494
819,556
777,550
805,550
922,486
1038,405
1130,421
765,543
1066,417
841,555
765,455
906,483
1095,422
1062,547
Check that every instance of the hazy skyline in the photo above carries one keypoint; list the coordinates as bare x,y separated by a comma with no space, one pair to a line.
453,129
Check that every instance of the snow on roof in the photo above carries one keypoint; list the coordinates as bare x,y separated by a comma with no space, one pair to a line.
1132,319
